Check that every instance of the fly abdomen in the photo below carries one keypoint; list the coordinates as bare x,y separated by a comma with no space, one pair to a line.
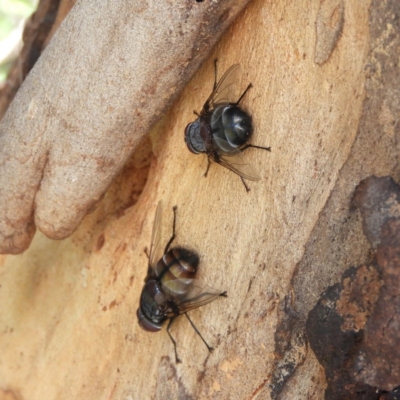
231,124
176,271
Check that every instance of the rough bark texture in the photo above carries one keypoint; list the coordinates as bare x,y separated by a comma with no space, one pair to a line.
38,31
68,316
353,329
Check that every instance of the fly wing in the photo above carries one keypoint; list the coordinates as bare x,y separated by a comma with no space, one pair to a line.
156,249
235,161
198,295
224,92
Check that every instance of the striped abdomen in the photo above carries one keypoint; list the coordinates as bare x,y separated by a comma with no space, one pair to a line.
176,271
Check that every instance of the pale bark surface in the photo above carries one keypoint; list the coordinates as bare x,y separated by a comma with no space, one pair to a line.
108,74
68,326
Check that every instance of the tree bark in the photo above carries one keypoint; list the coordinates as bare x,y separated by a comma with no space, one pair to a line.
325,99
106,77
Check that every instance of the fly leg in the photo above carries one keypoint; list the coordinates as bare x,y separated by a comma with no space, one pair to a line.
248,146
197,331
245,185
173,231
215,74
243,94
173,340
208,167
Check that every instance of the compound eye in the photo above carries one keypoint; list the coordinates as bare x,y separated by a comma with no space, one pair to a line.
190,136
187,130
146,323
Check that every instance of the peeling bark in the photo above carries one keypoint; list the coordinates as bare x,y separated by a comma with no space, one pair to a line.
353,330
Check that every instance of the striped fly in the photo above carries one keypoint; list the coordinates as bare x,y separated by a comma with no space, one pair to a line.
170,286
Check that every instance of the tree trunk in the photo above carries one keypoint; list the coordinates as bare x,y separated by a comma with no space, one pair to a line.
325,99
